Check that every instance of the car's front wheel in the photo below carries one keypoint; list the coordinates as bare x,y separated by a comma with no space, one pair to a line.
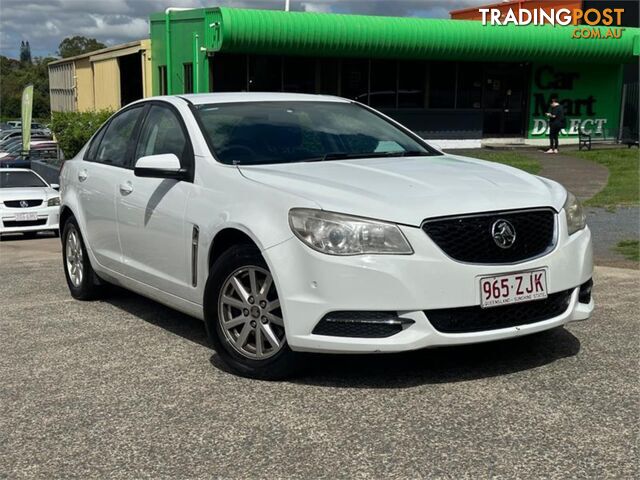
244,318
81,279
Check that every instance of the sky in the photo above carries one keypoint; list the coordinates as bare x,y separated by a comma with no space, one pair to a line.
44,23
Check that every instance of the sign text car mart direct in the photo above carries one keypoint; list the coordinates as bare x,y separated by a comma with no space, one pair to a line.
445,79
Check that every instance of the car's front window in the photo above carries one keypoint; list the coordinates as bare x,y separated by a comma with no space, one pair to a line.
20,180
255,133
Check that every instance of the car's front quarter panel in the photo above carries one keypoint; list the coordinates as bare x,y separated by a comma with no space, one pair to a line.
223,199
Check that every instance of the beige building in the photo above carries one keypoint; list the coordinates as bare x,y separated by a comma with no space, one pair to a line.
105,79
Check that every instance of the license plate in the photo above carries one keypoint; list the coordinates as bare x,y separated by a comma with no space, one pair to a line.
514,288
26,217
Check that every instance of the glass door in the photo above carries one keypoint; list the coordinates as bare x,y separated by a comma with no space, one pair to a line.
504,99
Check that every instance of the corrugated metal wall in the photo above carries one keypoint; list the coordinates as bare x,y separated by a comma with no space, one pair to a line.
92,81
84,85
62,87
145,58
106,84
239,30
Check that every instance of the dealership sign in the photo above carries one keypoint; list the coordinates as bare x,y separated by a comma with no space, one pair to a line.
589,94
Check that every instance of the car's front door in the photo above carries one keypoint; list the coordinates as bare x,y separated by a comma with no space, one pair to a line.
105,163
156,242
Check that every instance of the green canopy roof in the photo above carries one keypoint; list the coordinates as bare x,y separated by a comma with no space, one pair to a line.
321,34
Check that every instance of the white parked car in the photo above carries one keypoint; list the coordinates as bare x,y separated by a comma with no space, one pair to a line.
295,223
28,204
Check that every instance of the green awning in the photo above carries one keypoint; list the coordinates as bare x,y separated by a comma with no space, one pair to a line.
332,35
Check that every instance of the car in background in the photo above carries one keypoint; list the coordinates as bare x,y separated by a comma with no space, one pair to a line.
15,145
34,125
17,132
10,143
40,150
28,204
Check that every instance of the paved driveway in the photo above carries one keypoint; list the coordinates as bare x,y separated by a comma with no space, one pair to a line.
125,388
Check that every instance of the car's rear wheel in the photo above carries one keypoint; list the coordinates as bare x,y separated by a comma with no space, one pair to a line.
81,279
244,318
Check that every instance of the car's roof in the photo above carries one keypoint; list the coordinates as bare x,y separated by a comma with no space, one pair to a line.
234,97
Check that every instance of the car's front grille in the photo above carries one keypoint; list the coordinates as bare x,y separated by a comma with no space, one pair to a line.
24,223
361,324
22,203
477,319
470,238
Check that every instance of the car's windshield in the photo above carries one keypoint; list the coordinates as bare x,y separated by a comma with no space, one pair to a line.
20,180
254,133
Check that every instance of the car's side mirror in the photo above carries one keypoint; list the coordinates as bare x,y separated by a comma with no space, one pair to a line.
55,186
165,165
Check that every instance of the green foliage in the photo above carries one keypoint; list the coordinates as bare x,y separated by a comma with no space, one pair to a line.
74,129
72,46
25,52
630,249
14,76
513,159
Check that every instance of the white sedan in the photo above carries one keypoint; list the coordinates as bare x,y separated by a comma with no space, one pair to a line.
296,223
28,204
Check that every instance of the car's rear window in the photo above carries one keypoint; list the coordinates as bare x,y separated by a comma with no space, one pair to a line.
20,180
254,133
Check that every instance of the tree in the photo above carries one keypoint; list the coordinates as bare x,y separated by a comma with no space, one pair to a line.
72,46
25,52
14,76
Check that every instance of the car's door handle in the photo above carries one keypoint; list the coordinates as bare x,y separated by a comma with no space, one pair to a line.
82,175
126,188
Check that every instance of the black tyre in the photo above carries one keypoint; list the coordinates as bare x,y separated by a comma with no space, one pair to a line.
82,280
244,319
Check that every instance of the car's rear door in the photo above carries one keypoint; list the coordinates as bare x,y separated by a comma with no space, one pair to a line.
156,242
102,170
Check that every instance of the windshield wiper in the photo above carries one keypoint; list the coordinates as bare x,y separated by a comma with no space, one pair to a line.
346,155
412,153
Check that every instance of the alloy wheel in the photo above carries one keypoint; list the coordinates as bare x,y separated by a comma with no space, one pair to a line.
75,267
249,313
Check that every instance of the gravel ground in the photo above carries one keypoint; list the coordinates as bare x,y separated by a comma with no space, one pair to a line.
125,388
610,227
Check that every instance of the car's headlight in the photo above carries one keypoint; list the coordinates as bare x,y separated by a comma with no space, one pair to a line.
338,234
53,202
576,218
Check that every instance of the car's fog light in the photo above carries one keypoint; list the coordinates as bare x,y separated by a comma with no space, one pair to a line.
361,324
584,295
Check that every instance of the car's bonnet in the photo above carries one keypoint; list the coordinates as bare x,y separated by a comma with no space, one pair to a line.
408,190
35,193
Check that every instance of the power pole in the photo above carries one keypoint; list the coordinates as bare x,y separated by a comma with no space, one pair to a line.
286,5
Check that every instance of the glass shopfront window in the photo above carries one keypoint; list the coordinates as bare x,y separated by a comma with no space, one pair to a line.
442,85
407,89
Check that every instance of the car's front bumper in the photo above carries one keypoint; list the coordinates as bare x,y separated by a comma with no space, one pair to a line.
47,219
311,285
